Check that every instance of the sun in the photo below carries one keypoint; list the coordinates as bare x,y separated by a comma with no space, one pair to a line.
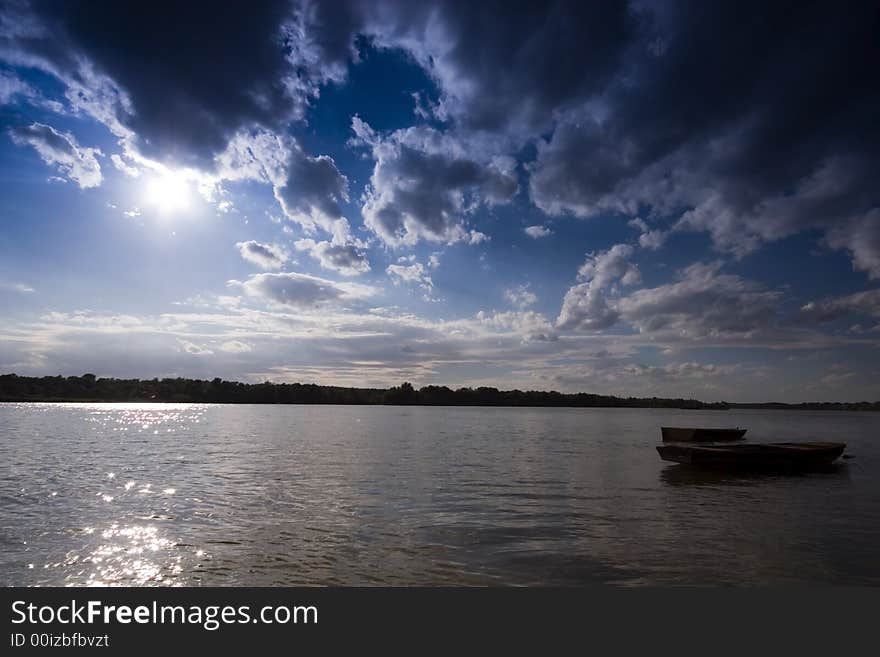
168,191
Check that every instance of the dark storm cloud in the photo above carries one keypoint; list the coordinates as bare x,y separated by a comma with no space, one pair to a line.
189,75
503,64
758,120
500,66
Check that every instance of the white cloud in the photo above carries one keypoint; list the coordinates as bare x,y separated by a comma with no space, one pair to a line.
301,290
424,185
414,273
21,288
702,303
313,192
349,259
378,346
649,239
121,165
195,349
13,89
865,303
265,256
235,347
61,149
585,306
529,325
310,190
538,231
861,237
475,237
520,296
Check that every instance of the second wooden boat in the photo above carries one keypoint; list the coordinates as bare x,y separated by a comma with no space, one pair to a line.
700,434
758,456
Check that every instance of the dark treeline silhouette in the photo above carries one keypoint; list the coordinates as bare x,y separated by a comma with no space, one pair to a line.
812,406
90,388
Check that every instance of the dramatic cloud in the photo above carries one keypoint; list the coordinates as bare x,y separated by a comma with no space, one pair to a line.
60,149
752,143
424,185
174,81
505,70
585,306
265,256
301,290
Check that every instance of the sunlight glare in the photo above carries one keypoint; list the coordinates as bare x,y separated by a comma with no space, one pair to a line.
168,192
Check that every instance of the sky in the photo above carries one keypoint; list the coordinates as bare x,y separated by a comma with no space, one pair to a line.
635,198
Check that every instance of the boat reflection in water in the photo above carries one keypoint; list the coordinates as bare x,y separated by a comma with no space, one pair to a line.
684,476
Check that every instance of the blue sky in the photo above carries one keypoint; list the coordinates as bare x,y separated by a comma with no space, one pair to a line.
613,197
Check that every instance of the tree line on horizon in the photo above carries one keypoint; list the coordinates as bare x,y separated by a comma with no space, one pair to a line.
88,387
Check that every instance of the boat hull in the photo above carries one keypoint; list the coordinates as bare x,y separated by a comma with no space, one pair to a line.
698,435
766,456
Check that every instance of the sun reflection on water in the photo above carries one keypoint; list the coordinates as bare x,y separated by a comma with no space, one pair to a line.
130,540
128,555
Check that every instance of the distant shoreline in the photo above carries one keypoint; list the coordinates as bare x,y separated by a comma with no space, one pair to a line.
91,389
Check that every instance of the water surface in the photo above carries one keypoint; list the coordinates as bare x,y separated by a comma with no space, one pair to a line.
202,494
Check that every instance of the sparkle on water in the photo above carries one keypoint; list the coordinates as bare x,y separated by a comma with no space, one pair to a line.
124,548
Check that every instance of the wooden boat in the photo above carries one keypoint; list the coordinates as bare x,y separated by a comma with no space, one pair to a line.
758,456
700,435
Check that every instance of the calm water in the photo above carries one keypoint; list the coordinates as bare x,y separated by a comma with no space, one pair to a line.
179,494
